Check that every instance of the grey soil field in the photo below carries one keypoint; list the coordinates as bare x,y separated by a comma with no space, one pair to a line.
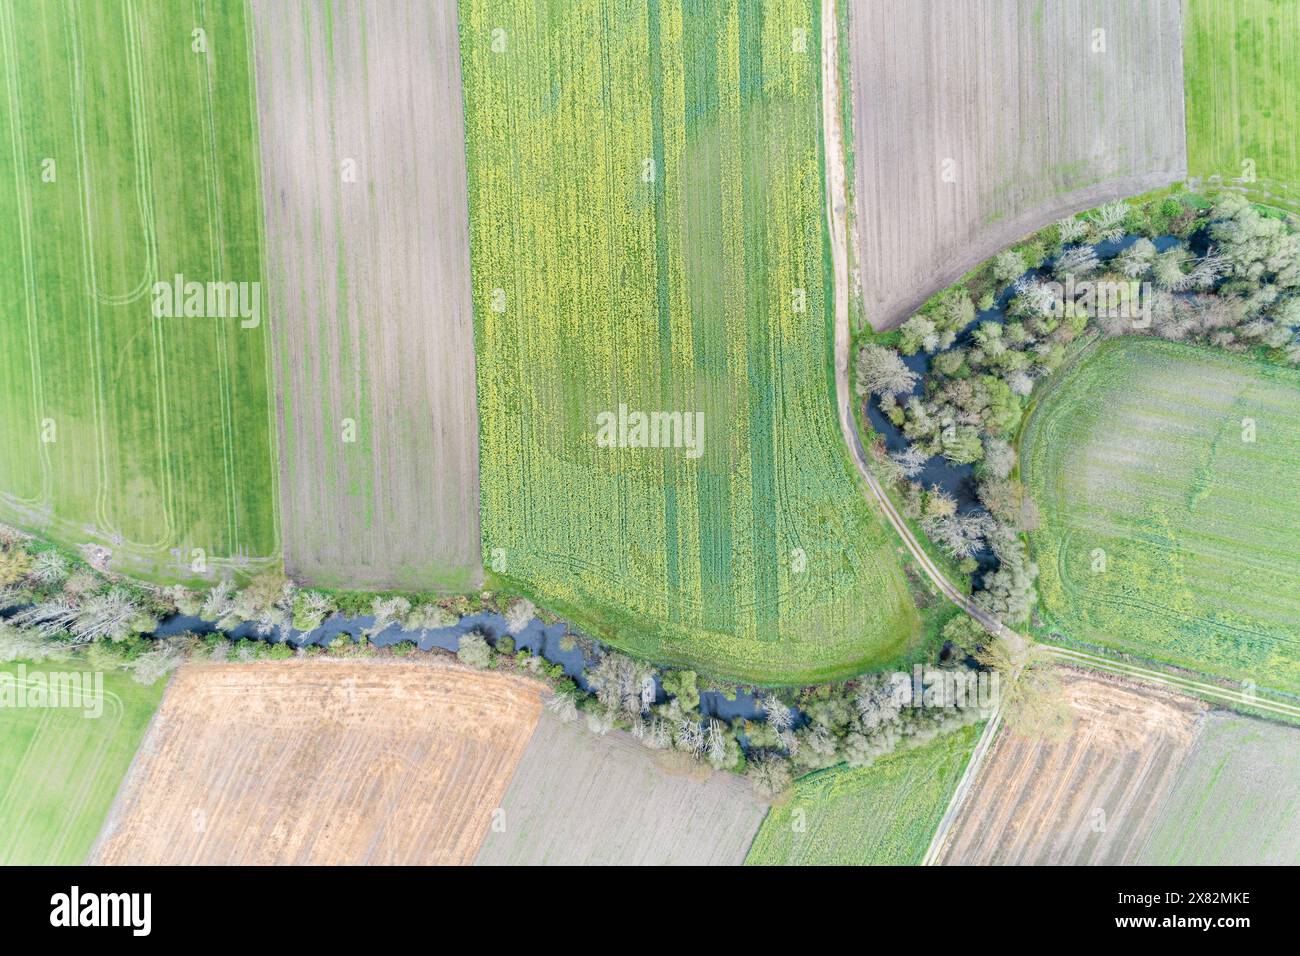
1236,801
581,799
1008,97
1089,799
363,167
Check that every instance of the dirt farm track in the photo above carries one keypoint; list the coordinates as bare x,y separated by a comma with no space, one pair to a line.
1091,798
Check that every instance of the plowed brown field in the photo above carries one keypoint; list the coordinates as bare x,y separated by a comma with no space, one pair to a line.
1090,799
321,762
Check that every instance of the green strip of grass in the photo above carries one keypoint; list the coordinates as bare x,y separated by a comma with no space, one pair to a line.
60,769
882,815
1242,68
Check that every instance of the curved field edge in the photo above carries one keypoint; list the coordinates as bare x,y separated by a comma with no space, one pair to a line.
1150,558
950,193
678,263
1005,235
881,815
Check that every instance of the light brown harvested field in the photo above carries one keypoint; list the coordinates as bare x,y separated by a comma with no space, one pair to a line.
321,762
1037,127
581,799
369,292
1090,799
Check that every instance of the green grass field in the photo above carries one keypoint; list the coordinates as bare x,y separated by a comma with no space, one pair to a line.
882,815
127,158
1242,68
1166,532
60,769
648,230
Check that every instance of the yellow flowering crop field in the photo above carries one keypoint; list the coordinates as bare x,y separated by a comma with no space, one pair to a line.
659,452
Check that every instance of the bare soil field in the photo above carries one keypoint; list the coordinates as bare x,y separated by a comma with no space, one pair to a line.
1092,798
321,762
363,167
581,799
1236,801
979,121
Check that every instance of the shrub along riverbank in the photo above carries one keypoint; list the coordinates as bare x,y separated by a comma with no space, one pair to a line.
957,379
56,606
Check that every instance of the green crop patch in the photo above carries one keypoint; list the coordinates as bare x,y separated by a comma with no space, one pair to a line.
660,457
67,737
1166,476
1243,95
881,815
133,417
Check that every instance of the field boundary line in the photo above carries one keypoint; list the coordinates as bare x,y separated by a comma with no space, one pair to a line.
939,842
113,815
268,356
216,260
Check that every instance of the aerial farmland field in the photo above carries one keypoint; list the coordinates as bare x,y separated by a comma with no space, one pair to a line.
979,121
363,160
1170,503
60,767
1243,95
322,762
648,237
579,799
884,814
1235,801
1092,798
130,420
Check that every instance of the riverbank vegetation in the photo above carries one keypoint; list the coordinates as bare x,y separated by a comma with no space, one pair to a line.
1222,274
57,607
